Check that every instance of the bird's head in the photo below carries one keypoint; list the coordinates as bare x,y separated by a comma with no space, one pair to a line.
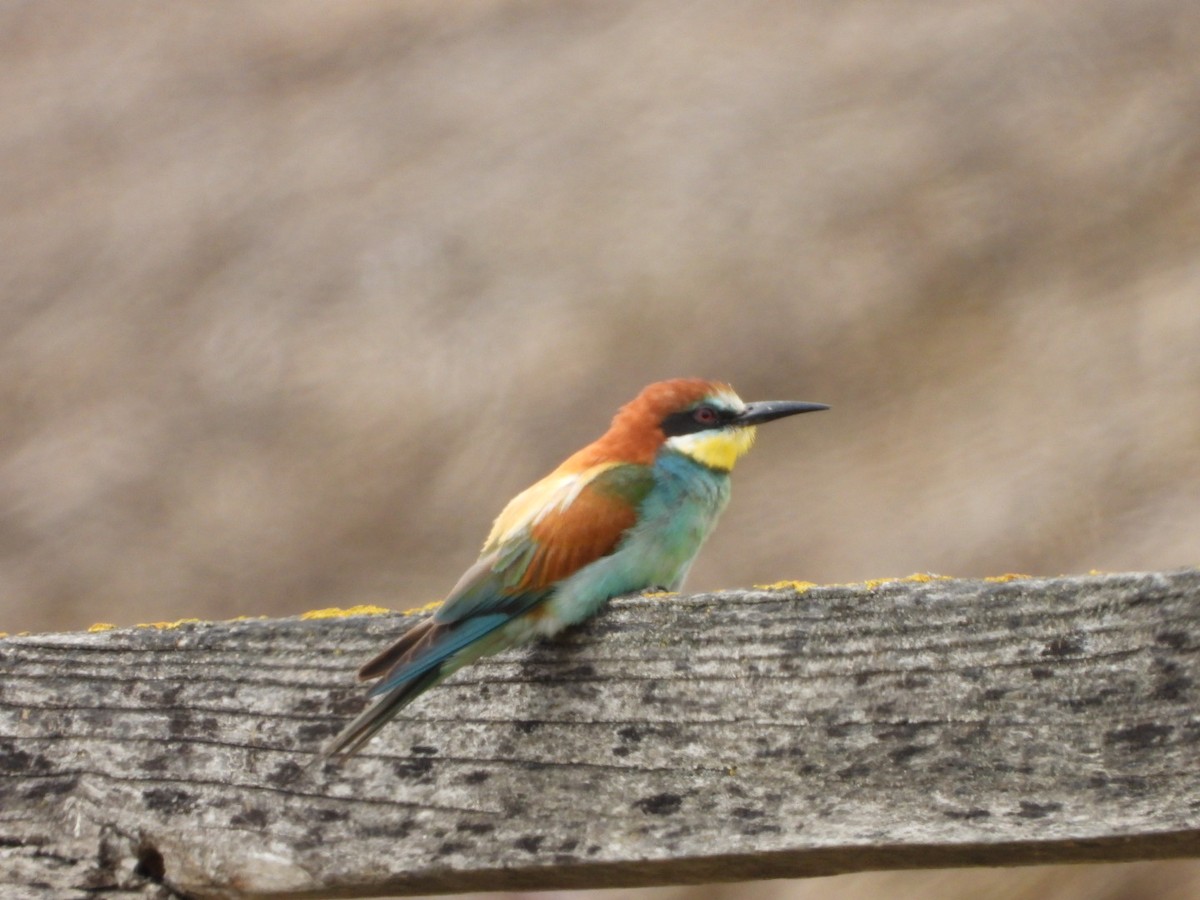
704,420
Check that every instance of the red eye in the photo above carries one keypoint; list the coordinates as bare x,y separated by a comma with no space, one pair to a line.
705,415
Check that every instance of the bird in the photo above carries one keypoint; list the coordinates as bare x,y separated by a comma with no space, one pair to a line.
625,514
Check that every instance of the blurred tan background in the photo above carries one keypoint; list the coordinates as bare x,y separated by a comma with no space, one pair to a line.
293,296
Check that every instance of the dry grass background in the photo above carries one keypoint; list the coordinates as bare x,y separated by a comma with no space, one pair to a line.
293,296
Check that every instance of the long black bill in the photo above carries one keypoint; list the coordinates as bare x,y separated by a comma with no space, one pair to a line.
766,410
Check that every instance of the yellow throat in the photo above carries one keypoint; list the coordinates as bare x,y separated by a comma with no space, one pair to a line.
715,449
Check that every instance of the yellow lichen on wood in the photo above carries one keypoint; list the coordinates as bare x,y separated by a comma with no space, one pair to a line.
162,626
915,578
101,626
802,586
334,612
798,586
873,583
428,607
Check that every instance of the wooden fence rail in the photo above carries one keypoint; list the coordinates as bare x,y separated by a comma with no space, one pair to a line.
745,734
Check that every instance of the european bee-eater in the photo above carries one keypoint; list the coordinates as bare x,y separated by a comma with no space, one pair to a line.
626,513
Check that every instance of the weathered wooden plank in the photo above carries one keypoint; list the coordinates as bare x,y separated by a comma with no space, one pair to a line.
683,739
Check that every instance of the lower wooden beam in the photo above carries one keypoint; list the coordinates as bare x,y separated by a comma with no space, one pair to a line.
679,739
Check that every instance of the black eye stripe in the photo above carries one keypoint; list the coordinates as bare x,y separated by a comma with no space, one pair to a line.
684,422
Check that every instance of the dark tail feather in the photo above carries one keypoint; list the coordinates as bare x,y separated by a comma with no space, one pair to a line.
419,638
427,653
374,717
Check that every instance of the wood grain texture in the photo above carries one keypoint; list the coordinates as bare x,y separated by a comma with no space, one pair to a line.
746,734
